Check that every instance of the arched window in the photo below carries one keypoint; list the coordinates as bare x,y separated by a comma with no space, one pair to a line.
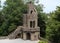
32,24
31,11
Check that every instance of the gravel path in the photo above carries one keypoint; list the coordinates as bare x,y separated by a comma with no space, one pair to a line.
17,41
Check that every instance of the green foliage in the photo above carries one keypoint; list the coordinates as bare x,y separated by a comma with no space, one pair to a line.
11,28
53,27
11,16
43,41
42,18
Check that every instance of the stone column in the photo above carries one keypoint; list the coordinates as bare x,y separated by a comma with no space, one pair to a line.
24,36
32,36
35,23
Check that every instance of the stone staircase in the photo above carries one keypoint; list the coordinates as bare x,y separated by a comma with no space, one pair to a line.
14,34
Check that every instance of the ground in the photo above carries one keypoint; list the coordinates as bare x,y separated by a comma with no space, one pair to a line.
17,41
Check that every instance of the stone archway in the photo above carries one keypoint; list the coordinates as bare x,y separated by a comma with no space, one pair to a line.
18,36
28,36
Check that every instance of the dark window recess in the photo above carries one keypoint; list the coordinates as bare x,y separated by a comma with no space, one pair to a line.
33,24
28,36
31,11
30,23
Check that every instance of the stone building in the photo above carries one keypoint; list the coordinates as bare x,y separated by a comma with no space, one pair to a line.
30,29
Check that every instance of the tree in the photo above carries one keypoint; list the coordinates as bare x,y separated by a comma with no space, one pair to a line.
0,3
42,18
53,26
12,13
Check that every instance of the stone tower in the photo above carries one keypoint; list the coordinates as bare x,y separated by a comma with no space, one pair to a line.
31,31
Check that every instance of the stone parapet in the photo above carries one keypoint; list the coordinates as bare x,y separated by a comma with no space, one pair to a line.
31,29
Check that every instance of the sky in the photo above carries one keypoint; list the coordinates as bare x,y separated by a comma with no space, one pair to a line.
49,5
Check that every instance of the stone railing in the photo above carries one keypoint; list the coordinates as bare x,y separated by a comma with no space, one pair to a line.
32,29
14,33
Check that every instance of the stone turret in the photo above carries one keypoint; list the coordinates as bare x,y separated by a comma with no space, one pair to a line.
30,29
30,23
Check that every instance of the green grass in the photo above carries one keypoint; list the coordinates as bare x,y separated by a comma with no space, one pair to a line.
43,41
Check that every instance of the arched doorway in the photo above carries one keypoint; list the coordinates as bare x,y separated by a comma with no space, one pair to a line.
18,36
28,36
